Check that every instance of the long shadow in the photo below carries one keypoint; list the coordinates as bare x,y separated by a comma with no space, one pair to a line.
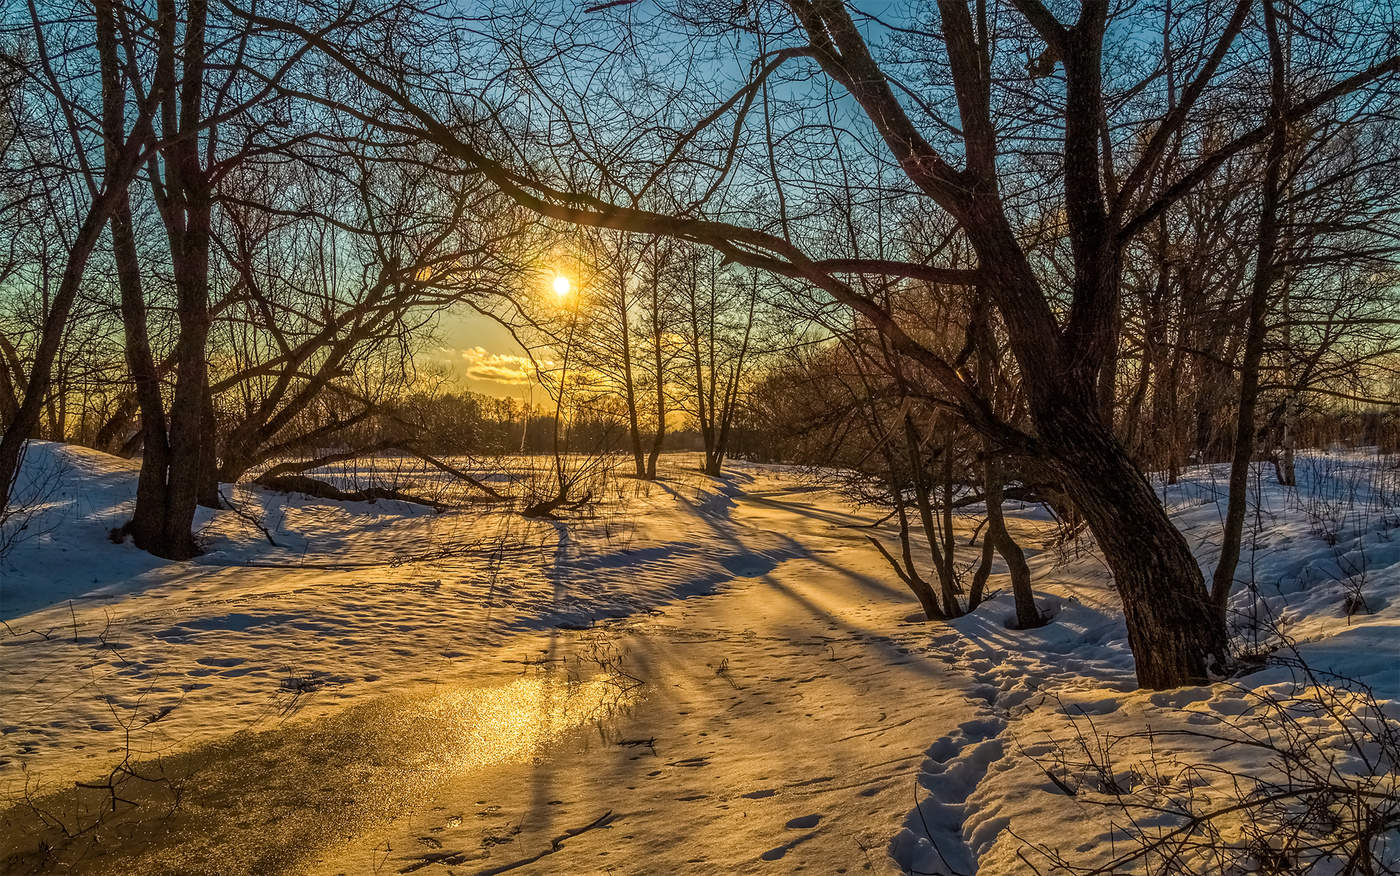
794,550
867,643
738,560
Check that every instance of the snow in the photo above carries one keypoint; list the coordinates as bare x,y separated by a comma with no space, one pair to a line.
462,687
1065,694
353,595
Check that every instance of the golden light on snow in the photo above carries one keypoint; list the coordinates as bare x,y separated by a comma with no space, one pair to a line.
562,286
468,728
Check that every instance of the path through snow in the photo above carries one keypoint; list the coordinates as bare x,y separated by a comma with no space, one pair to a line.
780,726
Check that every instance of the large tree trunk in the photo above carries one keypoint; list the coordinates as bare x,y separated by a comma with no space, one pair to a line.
147,523
185,204
1174,632
188,441
148,520
1175,635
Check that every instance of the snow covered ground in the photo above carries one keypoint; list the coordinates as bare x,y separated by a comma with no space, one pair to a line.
1069,768
473,692
352,595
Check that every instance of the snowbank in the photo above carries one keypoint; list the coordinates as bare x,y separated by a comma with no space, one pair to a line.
1069,768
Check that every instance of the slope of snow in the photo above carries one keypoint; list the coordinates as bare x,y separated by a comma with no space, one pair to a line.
1316,590
71,497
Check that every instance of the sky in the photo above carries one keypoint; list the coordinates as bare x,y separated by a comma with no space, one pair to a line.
481,355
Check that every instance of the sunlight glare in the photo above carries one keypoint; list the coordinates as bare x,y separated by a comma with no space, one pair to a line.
561,286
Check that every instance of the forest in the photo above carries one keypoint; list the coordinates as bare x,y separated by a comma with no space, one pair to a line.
684,434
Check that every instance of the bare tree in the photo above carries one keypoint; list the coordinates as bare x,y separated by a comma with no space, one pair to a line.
105,189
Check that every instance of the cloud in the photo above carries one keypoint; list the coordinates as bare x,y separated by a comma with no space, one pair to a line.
499,367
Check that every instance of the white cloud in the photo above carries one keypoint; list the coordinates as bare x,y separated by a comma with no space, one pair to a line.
499,367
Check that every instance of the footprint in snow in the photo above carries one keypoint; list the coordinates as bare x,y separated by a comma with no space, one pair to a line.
803,822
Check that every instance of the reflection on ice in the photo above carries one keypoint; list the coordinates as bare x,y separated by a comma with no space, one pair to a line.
276,800
466,728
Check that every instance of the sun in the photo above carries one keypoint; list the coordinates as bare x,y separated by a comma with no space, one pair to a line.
561,286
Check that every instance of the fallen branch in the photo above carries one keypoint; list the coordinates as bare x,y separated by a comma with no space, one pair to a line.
603,820
456,473
321,490
299,466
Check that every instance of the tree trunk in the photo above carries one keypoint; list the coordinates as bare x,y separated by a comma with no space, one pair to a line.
185,203
1265,268
1027,615
1288,474
978,587
659,366
634,429
908,573
660,437
704,414
1175,634
147,523
939,548
148,520
1176,637
9,397
208,453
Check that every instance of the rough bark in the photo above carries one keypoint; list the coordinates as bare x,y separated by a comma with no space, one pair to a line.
1175,634
147,523
177,466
